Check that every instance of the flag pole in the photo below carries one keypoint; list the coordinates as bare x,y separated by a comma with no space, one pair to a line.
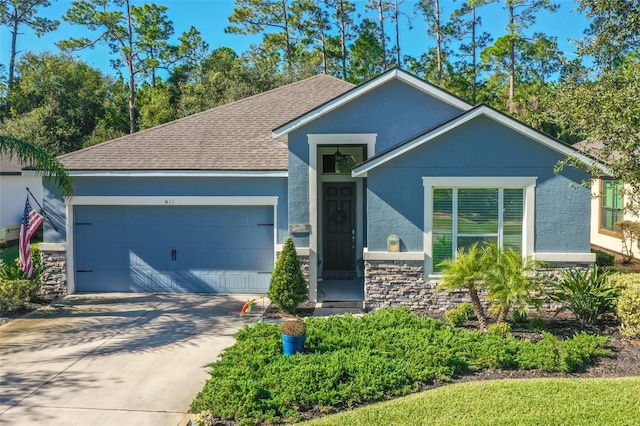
44,213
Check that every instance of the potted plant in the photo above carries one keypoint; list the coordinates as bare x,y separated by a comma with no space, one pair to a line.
294,334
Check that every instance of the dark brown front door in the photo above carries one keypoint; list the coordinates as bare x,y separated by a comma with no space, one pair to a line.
339,226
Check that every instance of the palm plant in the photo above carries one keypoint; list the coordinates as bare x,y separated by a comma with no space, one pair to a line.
513,280
38,158
466,271
587,293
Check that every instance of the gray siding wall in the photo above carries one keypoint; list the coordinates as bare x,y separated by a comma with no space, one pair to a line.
166,186
482,147
395,112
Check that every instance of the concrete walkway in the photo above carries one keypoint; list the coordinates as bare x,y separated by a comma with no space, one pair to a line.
114,359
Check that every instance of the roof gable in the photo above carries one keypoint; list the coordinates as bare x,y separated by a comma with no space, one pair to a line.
231,137
362,169
395,73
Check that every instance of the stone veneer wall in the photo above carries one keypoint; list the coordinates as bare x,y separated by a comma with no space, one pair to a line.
393,283
54,283
401,283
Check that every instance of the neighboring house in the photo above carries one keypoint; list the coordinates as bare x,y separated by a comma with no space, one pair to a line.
13,194
204,203
607,207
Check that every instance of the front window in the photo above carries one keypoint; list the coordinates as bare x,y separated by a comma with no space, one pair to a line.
611,206
464,216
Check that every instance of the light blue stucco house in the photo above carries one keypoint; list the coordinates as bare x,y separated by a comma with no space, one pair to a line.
376,183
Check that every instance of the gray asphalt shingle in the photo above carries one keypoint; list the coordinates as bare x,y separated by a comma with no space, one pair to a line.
235,136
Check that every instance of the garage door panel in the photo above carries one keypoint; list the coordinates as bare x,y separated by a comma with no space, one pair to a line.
217,248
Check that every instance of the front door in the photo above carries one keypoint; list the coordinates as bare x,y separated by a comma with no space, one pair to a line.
339,243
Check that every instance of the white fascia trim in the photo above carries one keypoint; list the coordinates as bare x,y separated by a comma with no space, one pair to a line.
52,246
172,201
366,87
508,122
181,173
342,139
566,257
541,138
390,256
362,171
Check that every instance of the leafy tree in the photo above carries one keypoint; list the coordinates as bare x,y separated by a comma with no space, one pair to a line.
276,19
57,102
366,52
382,8
14,14
39,159
604,113
342,13
138,35
288,288
522,15
435,27
224,77
463,26
614,31
466,271
513,280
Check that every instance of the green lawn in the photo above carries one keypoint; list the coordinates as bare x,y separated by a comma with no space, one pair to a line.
507,402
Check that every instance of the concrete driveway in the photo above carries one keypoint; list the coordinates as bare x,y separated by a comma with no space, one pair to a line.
114,359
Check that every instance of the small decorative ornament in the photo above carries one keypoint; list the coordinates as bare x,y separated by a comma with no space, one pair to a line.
338,216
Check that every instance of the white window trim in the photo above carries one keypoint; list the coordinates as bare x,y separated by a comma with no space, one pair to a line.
528,225
167,202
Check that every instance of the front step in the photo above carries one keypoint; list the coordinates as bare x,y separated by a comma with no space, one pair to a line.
358,304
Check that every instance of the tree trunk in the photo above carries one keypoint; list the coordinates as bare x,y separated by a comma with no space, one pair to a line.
512,61
132,79
478,310
382,36
397,15
12,57
502,314
287,41
474,64
343,40
438,41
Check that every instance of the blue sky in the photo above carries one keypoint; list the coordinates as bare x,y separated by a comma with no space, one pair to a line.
210,18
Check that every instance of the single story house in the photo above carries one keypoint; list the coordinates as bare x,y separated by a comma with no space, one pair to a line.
13,194
607,207
376,184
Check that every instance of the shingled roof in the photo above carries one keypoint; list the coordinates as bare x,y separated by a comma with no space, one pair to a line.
9,165
233,137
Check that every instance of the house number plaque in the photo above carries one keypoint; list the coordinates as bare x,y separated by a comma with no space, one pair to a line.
299,228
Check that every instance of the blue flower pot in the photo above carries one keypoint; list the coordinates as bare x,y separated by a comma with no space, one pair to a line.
293,344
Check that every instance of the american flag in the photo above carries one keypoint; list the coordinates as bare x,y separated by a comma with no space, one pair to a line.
30,223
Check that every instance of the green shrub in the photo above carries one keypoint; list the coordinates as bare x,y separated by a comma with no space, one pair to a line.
15,294
587,293
352,360
603,259
536,324
628,306
502,329
288,287
458,315
11,270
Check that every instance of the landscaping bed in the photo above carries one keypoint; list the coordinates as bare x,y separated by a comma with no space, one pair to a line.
396,353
